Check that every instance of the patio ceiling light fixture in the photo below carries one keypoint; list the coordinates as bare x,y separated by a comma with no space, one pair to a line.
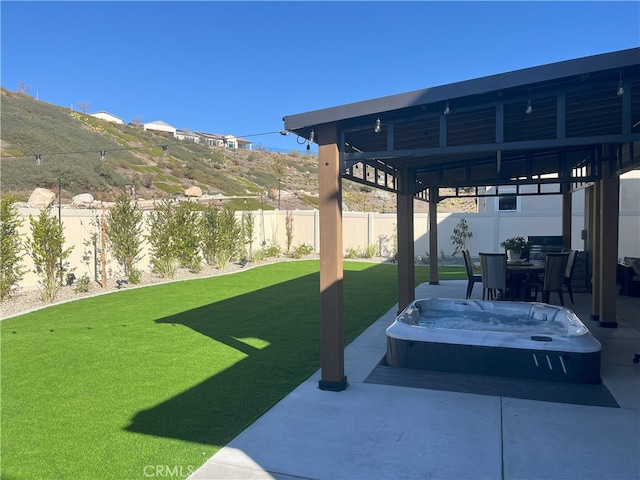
446,109
529,107
377,128
310,140
620,91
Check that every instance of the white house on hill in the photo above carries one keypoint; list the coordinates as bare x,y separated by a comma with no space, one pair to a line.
229,141
161,128
188,136
102,115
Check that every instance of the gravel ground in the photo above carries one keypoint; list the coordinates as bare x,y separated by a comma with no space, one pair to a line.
26,301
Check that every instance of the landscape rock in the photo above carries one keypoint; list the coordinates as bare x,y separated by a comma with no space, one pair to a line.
41,198
193,192
83,199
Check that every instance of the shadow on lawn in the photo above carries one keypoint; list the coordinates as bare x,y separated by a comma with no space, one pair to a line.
287,316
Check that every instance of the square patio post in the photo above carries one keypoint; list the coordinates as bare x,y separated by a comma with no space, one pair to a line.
406,248
331,270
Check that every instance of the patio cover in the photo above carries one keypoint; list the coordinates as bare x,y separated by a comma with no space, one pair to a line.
574,124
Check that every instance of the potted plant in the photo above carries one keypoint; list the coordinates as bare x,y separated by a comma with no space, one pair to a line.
514,247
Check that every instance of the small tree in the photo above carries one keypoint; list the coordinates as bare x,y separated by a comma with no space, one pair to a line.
23,87
460,235
279,171
220,236
124,233
46,248
186,238
161,239
11,269
289,231
83,106
248,227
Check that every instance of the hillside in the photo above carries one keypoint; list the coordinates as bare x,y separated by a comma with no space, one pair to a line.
69,144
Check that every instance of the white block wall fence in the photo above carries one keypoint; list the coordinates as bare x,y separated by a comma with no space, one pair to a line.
360,230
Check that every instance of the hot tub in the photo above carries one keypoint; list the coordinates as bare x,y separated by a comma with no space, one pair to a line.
512,339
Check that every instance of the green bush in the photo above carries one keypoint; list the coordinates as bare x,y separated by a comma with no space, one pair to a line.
220,236
302,250
46,248
11,269
161,238
352,253
370,251
186,241
83,283
135,276
124,233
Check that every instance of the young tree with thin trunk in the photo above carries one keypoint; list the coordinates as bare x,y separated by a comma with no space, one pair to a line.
46,248
124,235
11,269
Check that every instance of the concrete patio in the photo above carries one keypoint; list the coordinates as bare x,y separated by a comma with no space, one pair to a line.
379,431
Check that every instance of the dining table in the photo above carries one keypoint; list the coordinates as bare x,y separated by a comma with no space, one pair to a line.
518,272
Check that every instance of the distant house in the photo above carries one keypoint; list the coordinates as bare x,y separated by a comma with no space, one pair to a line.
229,141
187,136
160,128
102,115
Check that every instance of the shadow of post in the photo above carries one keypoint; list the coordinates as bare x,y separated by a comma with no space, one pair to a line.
278,329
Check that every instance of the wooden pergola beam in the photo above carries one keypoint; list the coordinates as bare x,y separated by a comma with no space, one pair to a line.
331,270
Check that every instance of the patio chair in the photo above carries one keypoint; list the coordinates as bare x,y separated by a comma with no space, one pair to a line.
493,268
555,265
472,277
568,273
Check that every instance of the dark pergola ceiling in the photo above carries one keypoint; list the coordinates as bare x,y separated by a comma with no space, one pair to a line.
478,132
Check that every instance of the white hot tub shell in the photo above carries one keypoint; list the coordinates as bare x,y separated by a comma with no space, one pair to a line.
513,339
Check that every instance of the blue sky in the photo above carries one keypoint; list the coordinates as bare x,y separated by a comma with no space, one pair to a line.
239,67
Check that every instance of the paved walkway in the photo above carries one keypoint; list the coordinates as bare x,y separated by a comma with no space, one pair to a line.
374,431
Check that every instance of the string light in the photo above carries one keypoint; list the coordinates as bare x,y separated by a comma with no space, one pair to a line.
165,148
310,140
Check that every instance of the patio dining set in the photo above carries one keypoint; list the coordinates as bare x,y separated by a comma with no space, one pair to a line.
524,279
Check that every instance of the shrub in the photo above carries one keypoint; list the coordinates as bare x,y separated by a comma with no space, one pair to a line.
352,253
46,248
161,238
166,267
83,283
124,233
460,234
186,237
370,251
11,269
135,276
302,250
220,236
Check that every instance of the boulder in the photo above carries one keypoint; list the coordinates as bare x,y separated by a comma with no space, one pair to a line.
193,192
41,198
83,199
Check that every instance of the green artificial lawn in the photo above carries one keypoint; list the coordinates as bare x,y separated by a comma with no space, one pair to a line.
155,380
